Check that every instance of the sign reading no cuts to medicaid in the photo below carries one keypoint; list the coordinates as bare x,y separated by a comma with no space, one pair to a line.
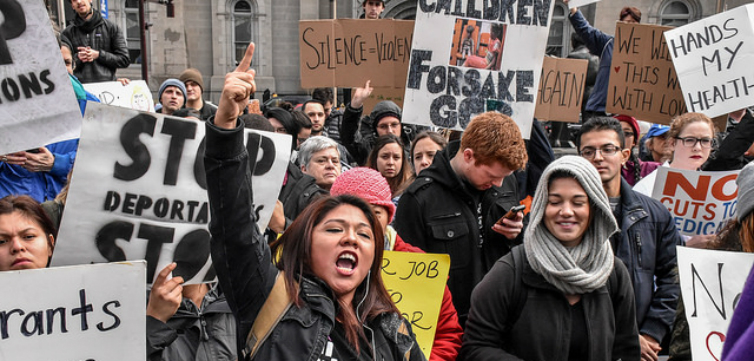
713,58
37,103
471,56
138,191
711,286
135,95
700,203
91,312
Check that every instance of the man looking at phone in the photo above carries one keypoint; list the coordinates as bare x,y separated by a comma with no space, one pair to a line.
454,206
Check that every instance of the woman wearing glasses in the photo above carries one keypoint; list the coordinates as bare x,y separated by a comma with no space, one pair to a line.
690,140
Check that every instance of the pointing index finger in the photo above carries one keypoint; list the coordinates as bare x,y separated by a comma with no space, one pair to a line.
245,63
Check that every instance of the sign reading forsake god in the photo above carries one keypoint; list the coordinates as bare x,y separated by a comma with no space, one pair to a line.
470,56
713,58
138,191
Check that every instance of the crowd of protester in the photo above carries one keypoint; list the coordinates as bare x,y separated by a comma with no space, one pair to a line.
588,271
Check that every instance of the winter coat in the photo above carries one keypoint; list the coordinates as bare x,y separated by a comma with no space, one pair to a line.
542,329
437,214
598,43
104,36
298,191
360,145
245,271
194,333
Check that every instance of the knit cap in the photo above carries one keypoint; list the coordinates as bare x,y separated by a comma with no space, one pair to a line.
631,121
385,108
368,184
193,75
745,182
172,82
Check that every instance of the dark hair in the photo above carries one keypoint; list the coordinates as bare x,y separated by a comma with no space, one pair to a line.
33,210
294,248
307,102
323,94
602,123
285,118
496,30
630,10
403,178
258,122
302,119
735,236
436,137
187,112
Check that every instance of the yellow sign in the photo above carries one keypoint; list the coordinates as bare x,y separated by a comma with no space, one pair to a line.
416,283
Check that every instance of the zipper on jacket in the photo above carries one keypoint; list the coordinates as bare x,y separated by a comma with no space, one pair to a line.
638,248
456,214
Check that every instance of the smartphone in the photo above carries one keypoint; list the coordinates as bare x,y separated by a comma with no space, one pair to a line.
511,213
35,150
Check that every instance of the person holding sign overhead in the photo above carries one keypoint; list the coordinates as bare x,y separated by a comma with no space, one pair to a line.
323,298
563,295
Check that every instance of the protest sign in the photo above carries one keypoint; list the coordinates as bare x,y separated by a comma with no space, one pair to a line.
579,3
473,58
348,52
135,95
37,103
643,82
713,58
138,191
700,202
711,285
379,94
91,312
561,89
416,283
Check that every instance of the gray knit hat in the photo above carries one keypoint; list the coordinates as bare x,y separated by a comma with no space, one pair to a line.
745,182
172,82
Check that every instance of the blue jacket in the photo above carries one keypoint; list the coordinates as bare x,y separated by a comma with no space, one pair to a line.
598,43
647,243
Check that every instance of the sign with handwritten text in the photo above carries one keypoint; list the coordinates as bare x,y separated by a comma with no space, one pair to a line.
711,285
713,58
135,95
561,89
416,283
90,312
643,82
700,202
348,52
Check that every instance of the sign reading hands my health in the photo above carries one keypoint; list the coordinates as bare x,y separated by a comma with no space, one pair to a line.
416,283
138,191
37,103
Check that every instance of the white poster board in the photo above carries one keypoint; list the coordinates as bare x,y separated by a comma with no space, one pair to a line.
37,103
711,285
713,58
451,78
579,3
92,312
138,191
700,202
135,95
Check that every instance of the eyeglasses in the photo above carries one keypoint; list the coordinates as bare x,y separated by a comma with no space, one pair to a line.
608,150
690,142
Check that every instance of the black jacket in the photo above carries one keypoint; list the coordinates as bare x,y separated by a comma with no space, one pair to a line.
437,214
246,274
299,190
542,330
359,142
101,35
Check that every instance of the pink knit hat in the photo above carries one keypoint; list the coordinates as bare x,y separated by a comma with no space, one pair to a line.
368,184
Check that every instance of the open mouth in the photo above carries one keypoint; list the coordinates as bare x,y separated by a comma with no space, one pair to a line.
346,263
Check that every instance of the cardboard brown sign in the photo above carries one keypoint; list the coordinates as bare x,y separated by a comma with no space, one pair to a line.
643,81
561,89
348,52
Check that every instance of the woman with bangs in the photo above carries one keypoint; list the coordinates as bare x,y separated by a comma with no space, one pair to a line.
27,235
389,158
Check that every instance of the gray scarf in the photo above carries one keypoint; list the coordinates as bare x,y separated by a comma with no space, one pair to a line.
579,269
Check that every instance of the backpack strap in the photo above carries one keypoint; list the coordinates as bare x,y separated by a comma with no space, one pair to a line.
404,330
520,293
277,304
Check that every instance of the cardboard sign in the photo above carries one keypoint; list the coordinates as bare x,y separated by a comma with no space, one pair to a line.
37,103
348,52
138,191
379,94
92,312
561,89
643,82
711,285
700,202
136,95
416,283
471,59
713,58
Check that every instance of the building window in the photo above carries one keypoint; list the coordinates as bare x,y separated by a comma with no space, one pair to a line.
558,39
242,24
133,36
676,13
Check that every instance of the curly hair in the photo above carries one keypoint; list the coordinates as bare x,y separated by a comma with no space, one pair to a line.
495,137
680,122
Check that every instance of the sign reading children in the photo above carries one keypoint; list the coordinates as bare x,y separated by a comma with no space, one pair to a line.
469,56
713,58
138,191
37,103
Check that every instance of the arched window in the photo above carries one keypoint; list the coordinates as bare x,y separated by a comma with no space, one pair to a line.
242,21
676,13
133,37
557,42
